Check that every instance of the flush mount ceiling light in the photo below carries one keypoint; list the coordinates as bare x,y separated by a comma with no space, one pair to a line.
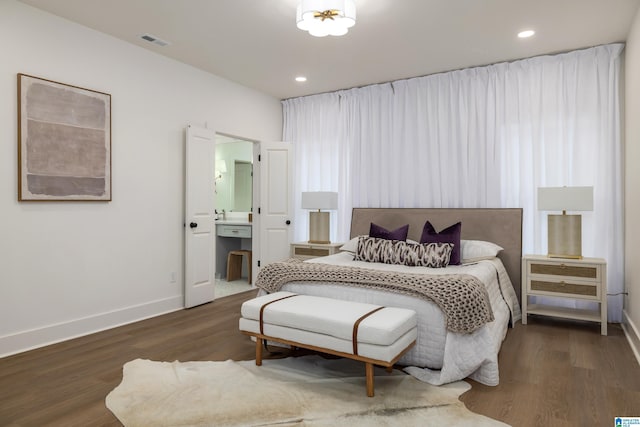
326,17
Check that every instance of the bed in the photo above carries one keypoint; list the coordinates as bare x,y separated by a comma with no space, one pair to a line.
442,354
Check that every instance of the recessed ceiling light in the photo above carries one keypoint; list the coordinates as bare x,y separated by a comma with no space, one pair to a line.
526,33
301,79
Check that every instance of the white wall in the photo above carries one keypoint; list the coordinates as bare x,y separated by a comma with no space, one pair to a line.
71,268
631,320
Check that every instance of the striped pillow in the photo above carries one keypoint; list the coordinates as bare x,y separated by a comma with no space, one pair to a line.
372,249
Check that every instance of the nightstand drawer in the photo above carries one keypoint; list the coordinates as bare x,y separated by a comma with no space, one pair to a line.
314,252
565,270
565,288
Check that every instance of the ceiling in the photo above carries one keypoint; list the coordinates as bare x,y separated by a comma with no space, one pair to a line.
256,42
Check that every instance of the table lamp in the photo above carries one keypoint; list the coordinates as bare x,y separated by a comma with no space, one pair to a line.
319,225
564,232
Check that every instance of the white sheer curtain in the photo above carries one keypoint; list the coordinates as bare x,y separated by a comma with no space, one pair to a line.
479,137
321,157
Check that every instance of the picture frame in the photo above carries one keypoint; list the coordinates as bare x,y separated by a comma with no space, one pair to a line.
64,142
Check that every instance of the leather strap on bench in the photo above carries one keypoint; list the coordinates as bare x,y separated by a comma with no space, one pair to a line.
265,305
355,328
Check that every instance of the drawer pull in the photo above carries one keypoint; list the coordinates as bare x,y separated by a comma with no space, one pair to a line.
234,231
563,266
562,283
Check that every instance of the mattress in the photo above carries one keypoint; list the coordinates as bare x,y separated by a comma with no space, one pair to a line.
439,356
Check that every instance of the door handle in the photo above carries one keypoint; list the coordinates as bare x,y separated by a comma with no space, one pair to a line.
193,225
288,222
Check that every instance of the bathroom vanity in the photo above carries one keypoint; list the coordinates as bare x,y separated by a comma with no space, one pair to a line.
231,234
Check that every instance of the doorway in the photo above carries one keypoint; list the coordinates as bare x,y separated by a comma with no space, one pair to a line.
267,235
234,194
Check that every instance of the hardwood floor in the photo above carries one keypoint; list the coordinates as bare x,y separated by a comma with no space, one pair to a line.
561,373
552,372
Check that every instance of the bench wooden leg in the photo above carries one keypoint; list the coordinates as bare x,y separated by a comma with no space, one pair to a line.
369,372
369,366
258,351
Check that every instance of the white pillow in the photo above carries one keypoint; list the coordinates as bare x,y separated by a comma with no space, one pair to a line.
477,250
352,245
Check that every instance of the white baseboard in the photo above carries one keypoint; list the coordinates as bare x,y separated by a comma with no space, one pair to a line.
51,334
632,333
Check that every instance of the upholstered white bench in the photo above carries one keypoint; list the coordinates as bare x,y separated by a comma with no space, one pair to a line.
368,333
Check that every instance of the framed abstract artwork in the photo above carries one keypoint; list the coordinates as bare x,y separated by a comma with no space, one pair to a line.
64,142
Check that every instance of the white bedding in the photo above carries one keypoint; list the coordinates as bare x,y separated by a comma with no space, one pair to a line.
439,356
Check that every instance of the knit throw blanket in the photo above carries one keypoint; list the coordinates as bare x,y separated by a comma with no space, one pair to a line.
462,298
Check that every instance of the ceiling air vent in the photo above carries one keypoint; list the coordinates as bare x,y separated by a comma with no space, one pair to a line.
153,39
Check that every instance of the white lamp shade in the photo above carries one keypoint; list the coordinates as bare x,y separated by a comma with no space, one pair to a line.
222,166
565,198
327,200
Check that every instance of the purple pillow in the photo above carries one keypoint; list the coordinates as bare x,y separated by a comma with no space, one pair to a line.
450,234
382,233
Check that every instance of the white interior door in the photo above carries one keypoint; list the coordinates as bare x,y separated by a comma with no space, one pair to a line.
200,245
276,201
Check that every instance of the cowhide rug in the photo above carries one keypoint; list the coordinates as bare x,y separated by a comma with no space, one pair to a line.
302,391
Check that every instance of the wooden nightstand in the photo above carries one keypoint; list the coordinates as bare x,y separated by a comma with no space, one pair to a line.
584,279
313,250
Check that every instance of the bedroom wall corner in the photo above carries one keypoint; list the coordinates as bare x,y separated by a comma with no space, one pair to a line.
631,318
72,268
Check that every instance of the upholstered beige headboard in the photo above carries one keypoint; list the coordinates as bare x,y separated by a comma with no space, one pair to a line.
500,226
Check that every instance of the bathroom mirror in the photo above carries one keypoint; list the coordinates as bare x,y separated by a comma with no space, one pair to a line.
242,191
233,174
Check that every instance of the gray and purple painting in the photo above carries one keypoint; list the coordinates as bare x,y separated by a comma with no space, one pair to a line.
65,142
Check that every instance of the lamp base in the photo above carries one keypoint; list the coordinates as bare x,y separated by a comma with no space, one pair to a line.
319,227
564,236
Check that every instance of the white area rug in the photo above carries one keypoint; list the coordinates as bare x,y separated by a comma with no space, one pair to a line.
303,391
